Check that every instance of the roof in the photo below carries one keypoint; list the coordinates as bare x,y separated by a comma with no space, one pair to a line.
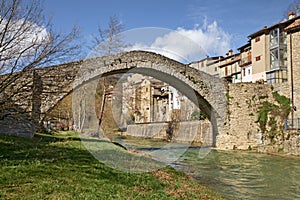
231,59
266,29
208,58
232,56
244,46
294,25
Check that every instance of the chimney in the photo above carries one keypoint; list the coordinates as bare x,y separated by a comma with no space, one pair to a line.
291,15
230,52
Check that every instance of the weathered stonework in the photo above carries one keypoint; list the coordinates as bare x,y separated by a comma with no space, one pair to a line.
244,100
16,116
52,84
188,132
294,67
292,146
232,109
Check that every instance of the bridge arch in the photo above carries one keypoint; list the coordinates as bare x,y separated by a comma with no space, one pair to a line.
207,91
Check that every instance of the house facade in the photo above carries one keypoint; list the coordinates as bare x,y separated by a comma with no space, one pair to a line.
146,99
208,65
246,62
263,59
293,49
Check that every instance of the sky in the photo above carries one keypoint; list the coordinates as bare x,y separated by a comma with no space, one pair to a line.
214,25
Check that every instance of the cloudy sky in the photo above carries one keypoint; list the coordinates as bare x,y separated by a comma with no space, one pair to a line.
184,29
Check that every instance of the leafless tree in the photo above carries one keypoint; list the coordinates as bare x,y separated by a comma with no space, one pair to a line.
108,41
294,6
27,42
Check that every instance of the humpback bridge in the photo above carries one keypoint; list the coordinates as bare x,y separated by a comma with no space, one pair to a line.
51,84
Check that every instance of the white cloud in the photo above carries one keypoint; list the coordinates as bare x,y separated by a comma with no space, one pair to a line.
21,41
188,45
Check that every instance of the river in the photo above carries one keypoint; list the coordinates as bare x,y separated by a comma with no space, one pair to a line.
239,175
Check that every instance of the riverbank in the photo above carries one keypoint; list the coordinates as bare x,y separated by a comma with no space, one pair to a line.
59,167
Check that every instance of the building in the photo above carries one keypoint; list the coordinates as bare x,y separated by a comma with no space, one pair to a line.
207,65
224,67
246,62
229,68
270,52
146,99
293,50
263,59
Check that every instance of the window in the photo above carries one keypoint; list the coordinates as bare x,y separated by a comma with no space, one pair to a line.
274,37
257,39
244,72
278,76
216,69
257,58
274,58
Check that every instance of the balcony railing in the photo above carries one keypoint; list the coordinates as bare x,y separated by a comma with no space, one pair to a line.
245,61
292,124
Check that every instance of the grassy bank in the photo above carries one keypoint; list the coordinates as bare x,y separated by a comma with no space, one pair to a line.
59,167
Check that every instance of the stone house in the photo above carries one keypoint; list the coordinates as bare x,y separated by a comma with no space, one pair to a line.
146,99
293,49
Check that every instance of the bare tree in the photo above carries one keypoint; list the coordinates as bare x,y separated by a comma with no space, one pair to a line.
27,42
293,7
108,41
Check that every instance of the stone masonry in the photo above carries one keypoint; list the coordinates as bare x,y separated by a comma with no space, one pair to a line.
294,60
52,84
230,108
241,130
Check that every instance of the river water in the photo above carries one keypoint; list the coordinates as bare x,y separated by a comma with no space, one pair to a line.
239,175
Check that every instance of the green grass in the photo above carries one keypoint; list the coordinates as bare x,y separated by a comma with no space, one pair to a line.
59,167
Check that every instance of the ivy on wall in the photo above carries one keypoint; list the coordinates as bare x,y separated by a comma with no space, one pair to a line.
271,117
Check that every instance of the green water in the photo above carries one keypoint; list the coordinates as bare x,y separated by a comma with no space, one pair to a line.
237,175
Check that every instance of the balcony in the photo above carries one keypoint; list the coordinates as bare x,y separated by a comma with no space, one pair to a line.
245,61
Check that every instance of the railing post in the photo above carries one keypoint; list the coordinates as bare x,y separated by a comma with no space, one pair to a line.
286,127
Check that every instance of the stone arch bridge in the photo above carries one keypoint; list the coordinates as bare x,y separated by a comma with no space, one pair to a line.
52,84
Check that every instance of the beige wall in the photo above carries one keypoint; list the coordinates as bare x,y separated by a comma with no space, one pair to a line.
203,66
260,48
231,69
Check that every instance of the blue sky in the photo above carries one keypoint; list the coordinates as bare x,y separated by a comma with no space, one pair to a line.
233,19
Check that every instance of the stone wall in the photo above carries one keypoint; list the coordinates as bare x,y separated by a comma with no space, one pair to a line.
188,132
294,60
292,146
241,129
16,100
